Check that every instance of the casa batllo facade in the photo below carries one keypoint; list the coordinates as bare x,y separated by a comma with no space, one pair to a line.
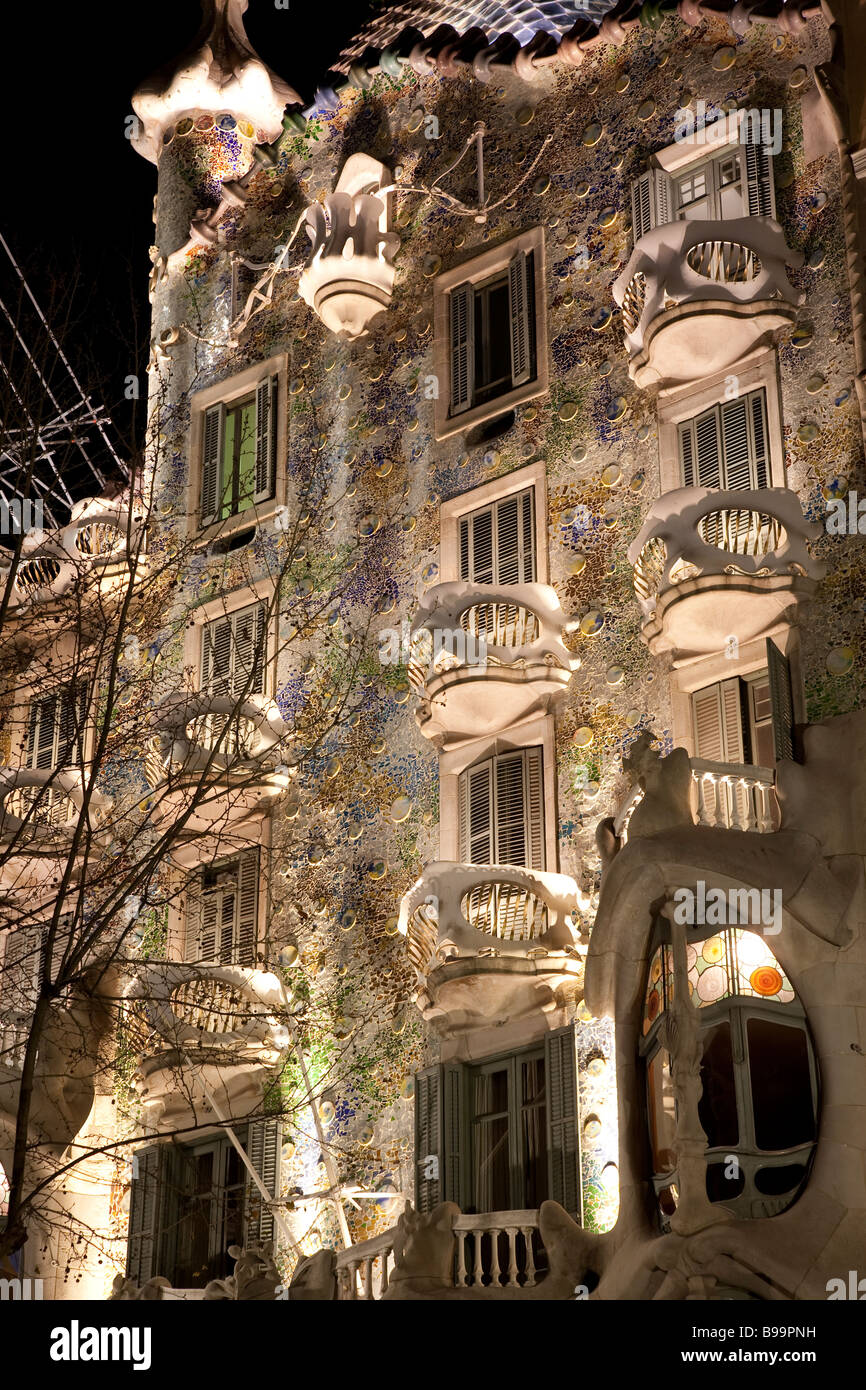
568,314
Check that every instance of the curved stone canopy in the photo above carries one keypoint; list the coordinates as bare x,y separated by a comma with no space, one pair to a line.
219,71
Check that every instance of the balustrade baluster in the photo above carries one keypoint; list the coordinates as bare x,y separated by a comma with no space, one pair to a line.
462,1271
530,1258
512,1257
494,1256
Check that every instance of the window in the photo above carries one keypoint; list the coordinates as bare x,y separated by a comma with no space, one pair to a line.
238,453
500,1135
501,810
746,719
222,912
715,186
497,542
758,1074
490,326
55,740
233,653
190,1202
726,446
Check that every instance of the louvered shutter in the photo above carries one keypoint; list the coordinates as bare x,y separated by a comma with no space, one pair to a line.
518,304
247,908
145,1206
527,527
642,210
782,701
217,657
650,202
441,1150
266,419
718,722
563,1154
475,828
247,655
227,914
687,454
192,922
41,744
462,310
479,547
22,969
71,706
264,1139
735,444
707,449
212,449
758,408
508,535
535,808
511,818
759,181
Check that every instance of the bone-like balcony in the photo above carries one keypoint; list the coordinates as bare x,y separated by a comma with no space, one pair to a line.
485,938
92,551
211,743
39,812
725,796
708,564
219,1018
486,656
696,297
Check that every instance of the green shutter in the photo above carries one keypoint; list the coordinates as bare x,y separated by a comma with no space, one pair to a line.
782,700
147,1198
441,1151
518,304
210,463
462,313
266,420
264,1140
563,1154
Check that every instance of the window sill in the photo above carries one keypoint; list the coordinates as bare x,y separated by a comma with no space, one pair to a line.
254,516
458,424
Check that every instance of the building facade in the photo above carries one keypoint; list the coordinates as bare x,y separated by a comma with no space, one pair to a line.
509,417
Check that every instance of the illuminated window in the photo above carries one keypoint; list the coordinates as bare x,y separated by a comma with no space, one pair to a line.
758,1105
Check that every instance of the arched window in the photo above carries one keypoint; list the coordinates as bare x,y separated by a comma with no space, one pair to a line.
759,1102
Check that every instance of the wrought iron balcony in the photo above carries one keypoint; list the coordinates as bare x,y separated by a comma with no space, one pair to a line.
486,656
487,938
709,563
696,297
92,550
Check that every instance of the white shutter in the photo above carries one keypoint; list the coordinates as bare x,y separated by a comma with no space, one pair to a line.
535,808
642,210
508,537
497,543
248,655
247,909
475,829
758,407
735,444
217,644
462,309
687,453
212,449
192,922
718,722
651,202
266,402
759,181
476,546
210,912
510,810
707,449
518,303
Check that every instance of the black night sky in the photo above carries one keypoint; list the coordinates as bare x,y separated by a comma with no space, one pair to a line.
78,207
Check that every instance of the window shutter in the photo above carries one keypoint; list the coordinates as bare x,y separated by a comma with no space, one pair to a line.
264,1140
192,921
41,734
535,807
440,1149
71,707
735,443
508,567
707,449
210,463
782,701
518,301
145,1202
511,817
462,305
642,210
248,900
707,712
758,404
687,454
227,908
759,181
527,526
562,1146
266,402
650,202
217,657
479,547
22,968
210,913
247,636
475,828
732,719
